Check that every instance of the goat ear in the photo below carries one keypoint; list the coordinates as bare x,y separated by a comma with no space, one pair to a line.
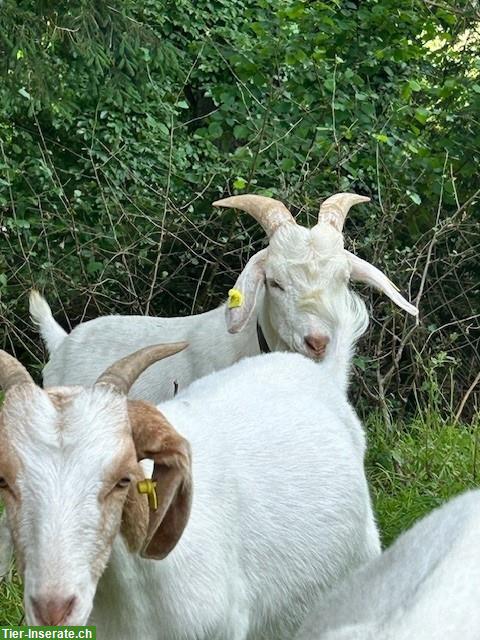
156,439
135,515
248,285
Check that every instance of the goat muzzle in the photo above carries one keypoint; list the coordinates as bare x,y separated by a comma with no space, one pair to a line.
317,344
53,611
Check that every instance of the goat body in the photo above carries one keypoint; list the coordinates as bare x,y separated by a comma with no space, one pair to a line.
281,509
93,346
426,586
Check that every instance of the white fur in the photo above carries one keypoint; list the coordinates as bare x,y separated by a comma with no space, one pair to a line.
426,586
311,266
51,331
281,509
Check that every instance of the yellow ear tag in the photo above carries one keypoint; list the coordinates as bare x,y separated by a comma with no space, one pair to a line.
235,298
148,486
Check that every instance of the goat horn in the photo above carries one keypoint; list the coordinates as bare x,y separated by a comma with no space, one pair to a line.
334,209
270,213
363,271
12,372
123,373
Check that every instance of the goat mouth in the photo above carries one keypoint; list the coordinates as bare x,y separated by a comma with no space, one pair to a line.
78,617
315,354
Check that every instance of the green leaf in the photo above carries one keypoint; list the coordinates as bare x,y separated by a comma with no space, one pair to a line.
422,115
163,129
406,92
146,54
21,223
414,197
287,164
239,183
94,266
215,130
361,362
23,92
295,11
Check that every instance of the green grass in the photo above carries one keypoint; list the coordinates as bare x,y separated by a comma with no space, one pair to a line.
411,470
417,467
11,609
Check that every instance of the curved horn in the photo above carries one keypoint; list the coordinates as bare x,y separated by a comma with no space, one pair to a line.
270,213
334,210
123,373
12,372
363,271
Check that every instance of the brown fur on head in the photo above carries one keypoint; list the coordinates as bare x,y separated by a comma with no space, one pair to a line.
135,515
153,534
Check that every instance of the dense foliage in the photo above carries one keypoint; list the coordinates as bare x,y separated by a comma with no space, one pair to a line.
121,122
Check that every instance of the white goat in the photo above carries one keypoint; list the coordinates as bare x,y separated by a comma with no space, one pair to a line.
425,587
297,288
280,509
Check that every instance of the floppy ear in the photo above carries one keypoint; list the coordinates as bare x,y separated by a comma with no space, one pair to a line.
156,439
135,515
248,284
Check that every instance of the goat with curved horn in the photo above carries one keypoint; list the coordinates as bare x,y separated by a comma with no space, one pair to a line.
123,373
274,305
268,212
334,209
12,372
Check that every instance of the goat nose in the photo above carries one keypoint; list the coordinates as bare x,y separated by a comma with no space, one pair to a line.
53,611
317,342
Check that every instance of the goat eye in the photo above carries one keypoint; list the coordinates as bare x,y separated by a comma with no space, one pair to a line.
3,483
124,482
275,285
